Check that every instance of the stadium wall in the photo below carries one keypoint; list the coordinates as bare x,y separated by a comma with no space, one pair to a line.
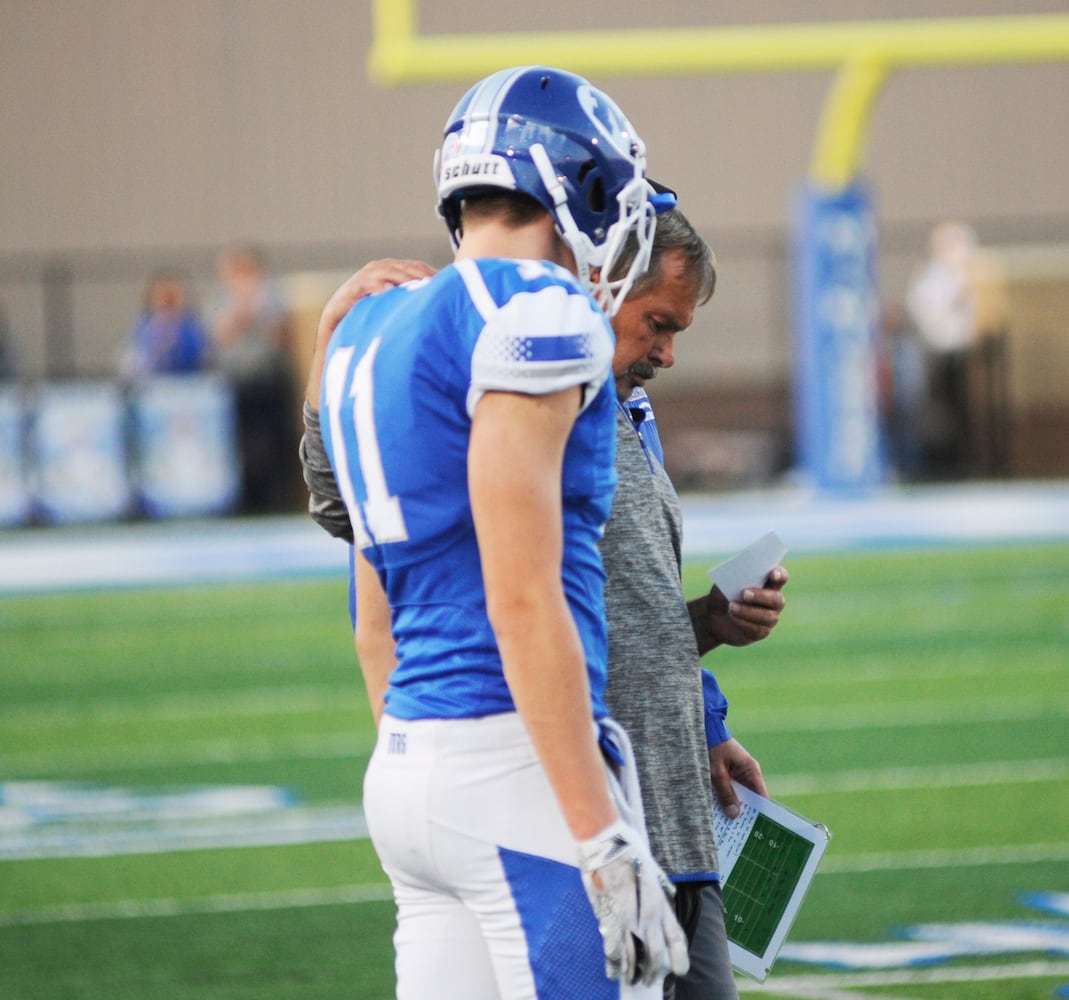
136,135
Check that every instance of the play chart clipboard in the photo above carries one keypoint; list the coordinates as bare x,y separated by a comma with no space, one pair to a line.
768,857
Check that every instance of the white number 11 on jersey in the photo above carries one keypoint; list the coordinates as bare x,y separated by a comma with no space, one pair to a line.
385,522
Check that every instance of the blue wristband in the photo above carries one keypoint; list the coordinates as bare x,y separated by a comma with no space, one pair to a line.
716,711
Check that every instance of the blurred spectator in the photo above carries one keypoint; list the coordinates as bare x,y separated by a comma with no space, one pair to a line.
941,302
903,391
169,336
9,364
252,330
940,297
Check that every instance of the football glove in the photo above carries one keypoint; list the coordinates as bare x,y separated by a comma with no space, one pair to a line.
632,900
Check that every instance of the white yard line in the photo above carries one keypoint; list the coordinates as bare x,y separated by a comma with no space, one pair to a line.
344,744
200,705
132,909
897,672
857,715
818,985
958,857
821,991
95,761
317,697
907,714
995,772
142,833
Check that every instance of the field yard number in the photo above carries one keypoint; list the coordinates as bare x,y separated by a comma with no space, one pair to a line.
382,512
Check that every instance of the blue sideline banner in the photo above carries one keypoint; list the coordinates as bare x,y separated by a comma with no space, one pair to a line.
837,419
77,452
185,446
14,490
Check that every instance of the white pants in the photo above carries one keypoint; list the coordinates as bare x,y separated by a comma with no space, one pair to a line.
490,904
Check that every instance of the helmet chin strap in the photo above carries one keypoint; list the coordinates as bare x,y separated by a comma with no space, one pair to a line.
638,217
578,242
592,262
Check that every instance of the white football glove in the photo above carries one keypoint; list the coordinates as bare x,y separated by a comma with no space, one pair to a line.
632,901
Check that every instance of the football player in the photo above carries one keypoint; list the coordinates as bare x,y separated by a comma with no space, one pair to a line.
469,421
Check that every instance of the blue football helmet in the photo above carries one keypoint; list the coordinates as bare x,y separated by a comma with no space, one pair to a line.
550,135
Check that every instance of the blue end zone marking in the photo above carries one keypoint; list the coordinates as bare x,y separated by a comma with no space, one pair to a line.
1056,903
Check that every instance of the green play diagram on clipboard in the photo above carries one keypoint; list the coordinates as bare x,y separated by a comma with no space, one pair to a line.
768,857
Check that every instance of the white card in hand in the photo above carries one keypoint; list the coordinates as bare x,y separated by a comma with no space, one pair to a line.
750,568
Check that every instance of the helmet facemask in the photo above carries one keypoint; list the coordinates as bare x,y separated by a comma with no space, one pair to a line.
594,263
552,136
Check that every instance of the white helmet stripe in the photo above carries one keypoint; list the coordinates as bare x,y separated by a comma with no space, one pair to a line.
487,100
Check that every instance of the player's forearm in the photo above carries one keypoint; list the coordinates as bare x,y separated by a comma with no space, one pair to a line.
376,664
375,646
514,475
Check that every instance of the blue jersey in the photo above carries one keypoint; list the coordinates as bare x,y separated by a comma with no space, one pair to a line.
403,375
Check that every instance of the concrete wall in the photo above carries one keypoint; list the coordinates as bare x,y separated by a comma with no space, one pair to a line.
142,132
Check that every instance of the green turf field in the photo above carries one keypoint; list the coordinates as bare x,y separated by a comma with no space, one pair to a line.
917,702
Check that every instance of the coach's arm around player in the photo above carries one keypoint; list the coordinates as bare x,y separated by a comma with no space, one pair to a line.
325,504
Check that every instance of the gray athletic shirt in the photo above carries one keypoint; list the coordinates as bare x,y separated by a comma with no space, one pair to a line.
655,688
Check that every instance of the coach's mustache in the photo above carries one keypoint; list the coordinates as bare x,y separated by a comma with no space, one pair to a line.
643,369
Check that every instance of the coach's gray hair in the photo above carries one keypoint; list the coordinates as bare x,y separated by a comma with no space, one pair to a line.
674,232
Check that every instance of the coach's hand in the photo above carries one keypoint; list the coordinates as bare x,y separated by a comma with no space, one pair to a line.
375,276
731,761
632,901
720,622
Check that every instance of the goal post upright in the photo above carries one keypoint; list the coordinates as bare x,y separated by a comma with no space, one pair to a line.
835,316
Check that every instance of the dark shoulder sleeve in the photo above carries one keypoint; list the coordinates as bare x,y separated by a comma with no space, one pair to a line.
325,504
